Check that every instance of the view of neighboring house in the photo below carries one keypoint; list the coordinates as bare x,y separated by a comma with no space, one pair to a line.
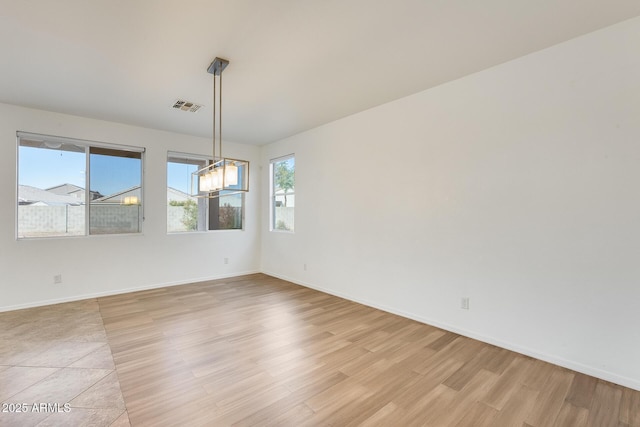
173,194
72,190
69,194
32,196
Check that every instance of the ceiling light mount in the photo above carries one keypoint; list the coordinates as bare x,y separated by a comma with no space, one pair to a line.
217,66
223,175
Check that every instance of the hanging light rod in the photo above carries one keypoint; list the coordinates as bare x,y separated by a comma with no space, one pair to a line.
223,175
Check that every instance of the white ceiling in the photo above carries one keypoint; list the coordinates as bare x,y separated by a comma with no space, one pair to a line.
294,64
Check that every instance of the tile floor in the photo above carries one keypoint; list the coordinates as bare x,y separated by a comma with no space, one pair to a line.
58,355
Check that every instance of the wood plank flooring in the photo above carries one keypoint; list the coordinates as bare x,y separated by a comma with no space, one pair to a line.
259,351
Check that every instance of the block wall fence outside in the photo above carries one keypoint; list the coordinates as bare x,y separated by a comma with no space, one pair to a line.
50,220
43,221
285,216
40,221
175,217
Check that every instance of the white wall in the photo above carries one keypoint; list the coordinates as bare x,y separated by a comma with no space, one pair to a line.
517,186
100,265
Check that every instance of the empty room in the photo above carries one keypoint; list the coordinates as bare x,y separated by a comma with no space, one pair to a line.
314,213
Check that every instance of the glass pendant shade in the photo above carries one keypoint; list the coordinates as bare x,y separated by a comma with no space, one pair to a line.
228,175
231,174
208,181
216,179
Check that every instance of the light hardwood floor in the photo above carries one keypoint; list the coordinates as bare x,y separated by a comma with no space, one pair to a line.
256,350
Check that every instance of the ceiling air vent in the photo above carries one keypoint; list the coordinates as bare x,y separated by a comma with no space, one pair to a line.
186,106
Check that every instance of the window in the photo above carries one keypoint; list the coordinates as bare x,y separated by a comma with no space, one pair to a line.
186,213
53,176
283,198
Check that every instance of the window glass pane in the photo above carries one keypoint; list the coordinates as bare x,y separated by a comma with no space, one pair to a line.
284,176
116,191
186,213
283,194
283,212
58,176
230,212
51,195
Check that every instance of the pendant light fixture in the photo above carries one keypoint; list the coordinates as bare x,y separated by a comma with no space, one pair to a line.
224,175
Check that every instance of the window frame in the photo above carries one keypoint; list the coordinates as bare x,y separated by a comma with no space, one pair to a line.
272,192
86,146
206,220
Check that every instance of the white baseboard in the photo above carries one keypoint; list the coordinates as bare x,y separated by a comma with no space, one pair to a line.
41,303
569,364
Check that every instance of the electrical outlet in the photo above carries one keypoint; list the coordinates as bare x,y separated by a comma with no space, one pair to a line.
226,260
464,303
304,267
57,279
